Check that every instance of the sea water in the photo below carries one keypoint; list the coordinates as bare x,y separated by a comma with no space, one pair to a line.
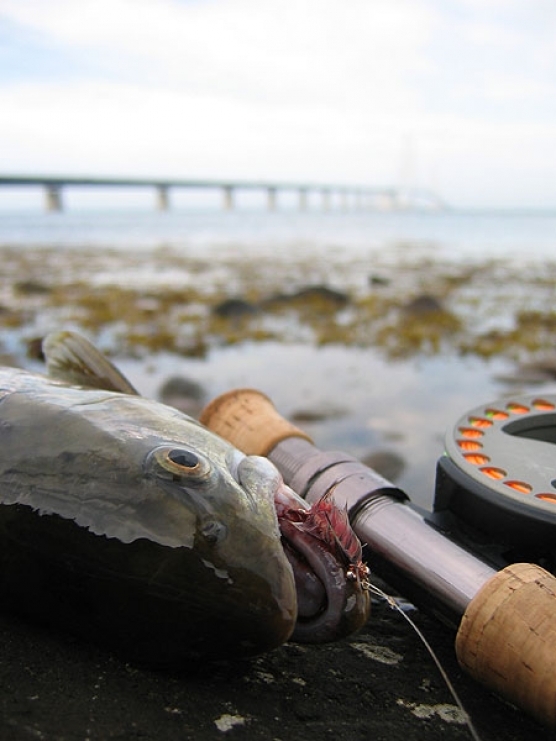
449,233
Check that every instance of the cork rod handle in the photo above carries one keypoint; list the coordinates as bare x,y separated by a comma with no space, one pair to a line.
507,638
249,420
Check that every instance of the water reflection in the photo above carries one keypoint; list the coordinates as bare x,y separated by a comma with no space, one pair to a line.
351,399
347,396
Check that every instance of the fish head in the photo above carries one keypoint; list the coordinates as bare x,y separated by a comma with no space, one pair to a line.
139,496
226,506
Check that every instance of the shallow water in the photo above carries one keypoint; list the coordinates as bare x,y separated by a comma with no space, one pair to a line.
363,402
444,234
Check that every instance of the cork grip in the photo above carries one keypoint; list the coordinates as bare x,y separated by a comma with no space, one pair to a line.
507,638
248,419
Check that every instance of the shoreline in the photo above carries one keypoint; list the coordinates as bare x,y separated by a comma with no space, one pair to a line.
380,683
438,337
167,300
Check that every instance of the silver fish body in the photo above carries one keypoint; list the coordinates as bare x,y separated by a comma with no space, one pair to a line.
129,523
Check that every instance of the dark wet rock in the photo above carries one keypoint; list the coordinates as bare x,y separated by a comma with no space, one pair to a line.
34,348
304,709
184,394
321,293
378,281
307,416
386,463
233,308
31,287
422,305
540,371
341,691
331,295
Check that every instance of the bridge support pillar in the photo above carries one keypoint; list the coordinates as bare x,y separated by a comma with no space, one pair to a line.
53,197
325,199
271,198
162,202
302,199
228,192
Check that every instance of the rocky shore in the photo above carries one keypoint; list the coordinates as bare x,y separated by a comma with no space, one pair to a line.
380,684
136,304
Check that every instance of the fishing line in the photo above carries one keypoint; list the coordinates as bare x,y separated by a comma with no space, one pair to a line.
393,604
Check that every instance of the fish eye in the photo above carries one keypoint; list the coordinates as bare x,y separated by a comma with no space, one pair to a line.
183,458
177,464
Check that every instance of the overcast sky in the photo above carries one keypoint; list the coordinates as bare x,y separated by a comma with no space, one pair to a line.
454,95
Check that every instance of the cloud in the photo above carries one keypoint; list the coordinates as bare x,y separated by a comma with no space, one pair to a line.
109,128
301,52
286,89
303,83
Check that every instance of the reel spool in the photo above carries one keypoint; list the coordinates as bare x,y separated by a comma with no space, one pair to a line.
496,483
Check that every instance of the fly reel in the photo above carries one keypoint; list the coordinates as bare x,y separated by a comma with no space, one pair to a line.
496,482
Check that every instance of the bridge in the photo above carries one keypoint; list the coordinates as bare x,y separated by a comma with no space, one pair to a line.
359,196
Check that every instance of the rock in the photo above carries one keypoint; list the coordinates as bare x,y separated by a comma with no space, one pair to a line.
34,348
539,371
306,416
184,394
386,463
318,293
324,293
423,304
378,280
232,308
31,287
319,692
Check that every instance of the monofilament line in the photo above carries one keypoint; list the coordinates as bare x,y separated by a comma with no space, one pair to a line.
391,601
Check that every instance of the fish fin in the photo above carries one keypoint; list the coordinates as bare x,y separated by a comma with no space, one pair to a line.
72,358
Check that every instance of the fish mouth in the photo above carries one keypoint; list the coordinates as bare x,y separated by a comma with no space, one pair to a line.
325,555
331,580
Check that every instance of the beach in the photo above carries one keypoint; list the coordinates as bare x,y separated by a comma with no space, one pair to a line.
379,684
397,339
375,346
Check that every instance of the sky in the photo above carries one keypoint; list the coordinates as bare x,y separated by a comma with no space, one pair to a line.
457,96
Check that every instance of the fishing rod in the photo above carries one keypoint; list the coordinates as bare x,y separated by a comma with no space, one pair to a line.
495,496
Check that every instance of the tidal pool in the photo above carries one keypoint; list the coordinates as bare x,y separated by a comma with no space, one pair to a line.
381,355
349,399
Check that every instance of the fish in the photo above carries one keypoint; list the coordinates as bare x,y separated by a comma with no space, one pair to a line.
130,524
